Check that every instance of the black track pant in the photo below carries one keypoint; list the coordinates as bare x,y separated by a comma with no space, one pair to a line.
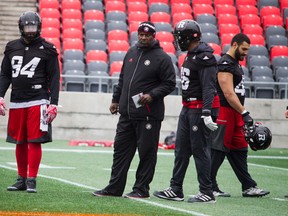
132,135
193,138
238,162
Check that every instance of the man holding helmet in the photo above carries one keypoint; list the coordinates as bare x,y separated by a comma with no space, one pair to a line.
196,121
31,66
233,118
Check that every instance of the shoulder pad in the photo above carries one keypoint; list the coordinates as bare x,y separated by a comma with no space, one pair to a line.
50,47
225,65
13,45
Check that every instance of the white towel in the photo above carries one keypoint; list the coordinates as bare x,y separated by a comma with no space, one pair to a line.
43,118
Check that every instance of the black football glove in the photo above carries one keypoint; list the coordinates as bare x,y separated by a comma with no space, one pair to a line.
248,120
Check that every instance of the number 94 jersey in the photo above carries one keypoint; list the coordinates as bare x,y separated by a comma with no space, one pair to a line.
32,69
231,65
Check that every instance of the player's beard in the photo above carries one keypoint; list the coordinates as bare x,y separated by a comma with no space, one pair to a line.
238,55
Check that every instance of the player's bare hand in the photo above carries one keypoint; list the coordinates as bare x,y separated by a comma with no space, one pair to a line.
144,99
2,106
114,108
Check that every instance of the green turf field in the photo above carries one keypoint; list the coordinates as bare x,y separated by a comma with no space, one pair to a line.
68,175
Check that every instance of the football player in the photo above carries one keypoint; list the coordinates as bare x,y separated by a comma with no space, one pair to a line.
31,66
197,118
229,139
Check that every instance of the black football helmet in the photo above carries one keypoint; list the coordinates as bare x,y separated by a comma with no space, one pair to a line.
185,32
30,25
258,137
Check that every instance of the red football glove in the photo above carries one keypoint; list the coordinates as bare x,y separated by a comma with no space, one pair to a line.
2,106
51,113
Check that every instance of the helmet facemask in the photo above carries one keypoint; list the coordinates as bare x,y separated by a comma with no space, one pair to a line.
30,26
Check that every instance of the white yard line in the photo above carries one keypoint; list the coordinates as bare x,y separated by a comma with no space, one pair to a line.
111,152
139,200
93,188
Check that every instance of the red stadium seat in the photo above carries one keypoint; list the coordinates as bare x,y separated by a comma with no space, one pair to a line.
160,17
71,4
137,17
226,39
76,44
96,55
245,2
194,2
115,67
118,45
54,4
115,6
180,16
272,20
269,10
137,6
129,1
217,49
72,23
252,29
202,9
247,9
49,13
72,33
223,2
168,47
181,58
50,22
71,14
256,39
276,51
179,8
227,19
225,9
249,19
117,35
93,15
157,1
56,42
50,32
164,36
179,1
229,29
133,27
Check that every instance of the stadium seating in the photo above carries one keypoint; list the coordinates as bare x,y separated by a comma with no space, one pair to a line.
81,27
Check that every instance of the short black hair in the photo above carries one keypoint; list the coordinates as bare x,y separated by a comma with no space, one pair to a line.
240,38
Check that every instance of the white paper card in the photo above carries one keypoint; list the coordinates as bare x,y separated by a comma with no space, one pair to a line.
136,99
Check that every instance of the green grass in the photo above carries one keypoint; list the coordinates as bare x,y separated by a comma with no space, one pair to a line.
68,189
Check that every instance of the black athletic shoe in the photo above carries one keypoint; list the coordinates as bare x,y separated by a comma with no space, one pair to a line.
103,192
202,198
20,185
135,194
169,194
254,192
31,185
219,193
286,196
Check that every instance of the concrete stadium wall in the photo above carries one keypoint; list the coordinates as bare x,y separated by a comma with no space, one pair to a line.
86,116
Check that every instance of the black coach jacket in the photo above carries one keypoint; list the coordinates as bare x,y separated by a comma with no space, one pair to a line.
148,71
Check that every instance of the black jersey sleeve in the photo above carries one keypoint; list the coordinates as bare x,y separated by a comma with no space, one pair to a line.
53,72
5,76
224,65
207,77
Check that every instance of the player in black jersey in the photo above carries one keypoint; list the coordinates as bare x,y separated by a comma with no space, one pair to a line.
31,66
196,121
230,137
